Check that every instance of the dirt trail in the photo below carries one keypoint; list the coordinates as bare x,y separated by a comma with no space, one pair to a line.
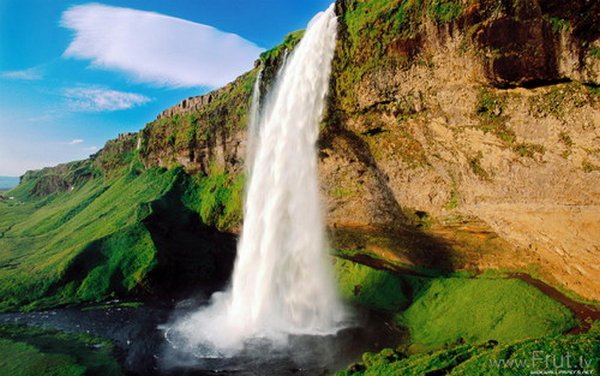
586,314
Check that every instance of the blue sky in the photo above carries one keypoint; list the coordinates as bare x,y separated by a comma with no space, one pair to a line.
74,74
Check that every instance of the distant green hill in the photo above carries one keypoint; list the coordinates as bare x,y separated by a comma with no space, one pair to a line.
81,234
8,182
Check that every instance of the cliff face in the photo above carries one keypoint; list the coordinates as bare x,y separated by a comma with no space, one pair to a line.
473,124
460,135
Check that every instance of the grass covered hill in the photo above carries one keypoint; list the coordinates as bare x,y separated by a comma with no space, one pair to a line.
81,233
466,325
29,351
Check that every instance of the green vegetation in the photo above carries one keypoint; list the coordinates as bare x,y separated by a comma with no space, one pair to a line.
594,90
34,352
490,358
489,108
77,244
445,11
376,289
110,236
534,271
489,104
439,310
289,42
594,52
443,312
342,192
116,155
219,197
558,100
369,30
552,102
559,24
363,15
461,325
21,359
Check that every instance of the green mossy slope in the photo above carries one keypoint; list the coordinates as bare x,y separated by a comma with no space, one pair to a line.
542,356
443,311
454,310
108,236
464,326
34,352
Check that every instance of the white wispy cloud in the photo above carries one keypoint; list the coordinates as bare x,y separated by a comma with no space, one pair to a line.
75,141
29,74
156,48
91,148
98,99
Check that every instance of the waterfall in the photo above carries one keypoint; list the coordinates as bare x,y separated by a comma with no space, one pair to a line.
282,283
253,123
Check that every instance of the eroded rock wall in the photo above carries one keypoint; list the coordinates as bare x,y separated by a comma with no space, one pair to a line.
470,129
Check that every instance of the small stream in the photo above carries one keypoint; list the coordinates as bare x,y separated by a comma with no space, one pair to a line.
143,349
585,314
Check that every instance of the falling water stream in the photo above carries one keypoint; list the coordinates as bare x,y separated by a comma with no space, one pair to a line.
282,284
281,281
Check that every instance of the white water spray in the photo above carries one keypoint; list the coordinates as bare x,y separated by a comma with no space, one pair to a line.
282,283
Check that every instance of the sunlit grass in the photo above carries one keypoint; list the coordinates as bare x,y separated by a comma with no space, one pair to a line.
34,352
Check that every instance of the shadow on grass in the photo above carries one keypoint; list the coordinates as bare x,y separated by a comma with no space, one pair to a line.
179,254
191,255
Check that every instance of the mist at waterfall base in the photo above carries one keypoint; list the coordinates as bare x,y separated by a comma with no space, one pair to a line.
282,306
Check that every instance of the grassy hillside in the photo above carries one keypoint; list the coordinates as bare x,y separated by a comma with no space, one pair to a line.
460,325
33,352
543,356
128,231
439,311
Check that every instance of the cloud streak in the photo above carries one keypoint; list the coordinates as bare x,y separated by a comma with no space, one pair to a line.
29,74
75,141
157,49
98,99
